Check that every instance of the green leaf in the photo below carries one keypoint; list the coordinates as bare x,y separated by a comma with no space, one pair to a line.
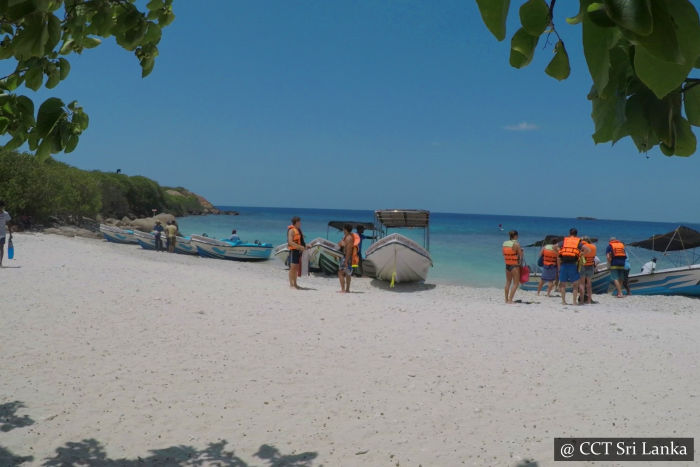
608,117
153,33
10,83
685,17
154,4
14,143
659,76
147,66
43,152
54,79
67,47
662,43
30,41
64,66
4,123
597,42
34,77
522,48
598,14
91,42
54,31
494,14
686,143
667,150
50,112
534,16
634,15
691,98
25,106
19,8
168,17
558,67
638,124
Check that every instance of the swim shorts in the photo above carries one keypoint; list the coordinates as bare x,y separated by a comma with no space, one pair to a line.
617,274
294,256
549,273
568,272
510,267
587,271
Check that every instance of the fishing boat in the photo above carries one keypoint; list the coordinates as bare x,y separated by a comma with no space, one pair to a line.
601,276
395,257
226,249
679,280
324,255
281,252
356,226
147,240
117,235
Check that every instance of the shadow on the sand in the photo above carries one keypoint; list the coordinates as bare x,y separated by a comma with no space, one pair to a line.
9,420
91,453
527,463
402,288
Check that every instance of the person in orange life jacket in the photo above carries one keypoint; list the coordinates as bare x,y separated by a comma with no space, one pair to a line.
295,243
587,271
361,233
616,256
570,249
549,254
349,246
513,255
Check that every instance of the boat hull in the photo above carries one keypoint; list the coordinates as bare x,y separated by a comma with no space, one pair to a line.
673,281
147,240
281,252
117,235
398,258
221,249
184,246
600,282
324,255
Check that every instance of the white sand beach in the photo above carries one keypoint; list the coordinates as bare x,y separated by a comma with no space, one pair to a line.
113,353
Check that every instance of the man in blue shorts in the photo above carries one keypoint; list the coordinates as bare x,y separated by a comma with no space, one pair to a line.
570,250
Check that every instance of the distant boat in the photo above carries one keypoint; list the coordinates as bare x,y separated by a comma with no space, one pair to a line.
117,235
584,218
500,227
681,280
397,258
226,249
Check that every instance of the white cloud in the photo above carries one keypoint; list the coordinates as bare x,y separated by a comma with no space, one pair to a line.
522,126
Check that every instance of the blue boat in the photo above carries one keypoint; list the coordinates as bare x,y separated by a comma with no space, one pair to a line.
117,235
226,249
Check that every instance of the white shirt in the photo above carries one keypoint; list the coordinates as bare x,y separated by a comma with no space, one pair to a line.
4,219
648,267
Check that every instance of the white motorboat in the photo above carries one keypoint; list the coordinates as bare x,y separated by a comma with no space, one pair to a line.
395,257
324,255
281,252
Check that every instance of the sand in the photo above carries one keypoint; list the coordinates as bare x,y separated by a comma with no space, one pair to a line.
113,353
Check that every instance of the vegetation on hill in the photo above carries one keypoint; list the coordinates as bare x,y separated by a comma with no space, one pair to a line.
54,189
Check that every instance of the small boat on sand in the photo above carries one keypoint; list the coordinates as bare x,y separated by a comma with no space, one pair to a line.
117,235
281,252
147,240
226,249
324,255
397,258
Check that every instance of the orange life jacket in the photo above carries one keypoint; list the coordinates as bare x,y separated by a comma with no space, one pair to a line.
569,251
549,256
355,250
618,249
510,254
296,237
590,256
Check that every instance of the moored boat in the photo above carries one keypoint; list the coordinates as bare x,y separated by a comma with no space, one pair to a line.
680,280
183,245
117,235
225,249
324,255
281,252
395,257
147,240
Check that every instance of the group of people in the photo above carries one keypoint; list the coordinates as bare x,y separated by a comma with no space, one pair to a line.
570,262
170,231
350,245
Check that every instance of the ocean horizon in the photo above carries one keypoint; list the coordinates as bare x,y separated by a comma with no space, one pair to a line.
465,248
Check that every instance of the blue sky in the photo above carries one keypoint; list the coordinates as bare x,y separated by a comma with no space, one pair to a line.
365,105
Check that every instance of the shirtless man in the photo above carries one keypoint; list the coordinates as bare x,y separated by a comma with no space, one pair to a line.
347,246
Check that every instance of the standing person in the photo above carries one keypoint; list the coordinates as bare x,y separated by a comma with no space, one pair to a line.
158,229
361,233
348,246
616,256
587,271
294,243
234,237
171,231
513,255
549,255
570,250
4,219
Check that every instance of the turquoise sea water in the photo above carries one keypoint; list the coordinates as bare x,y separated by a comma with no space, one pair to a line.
466,248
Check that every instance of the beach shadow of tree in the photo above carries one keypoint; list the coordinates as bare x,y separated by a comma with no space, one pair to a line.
402,288
9,459
91,453
9,420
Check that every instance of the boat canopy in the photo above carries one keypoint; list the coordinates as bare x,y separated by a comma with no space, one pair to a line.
340,224
407,218
681,238
552,239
